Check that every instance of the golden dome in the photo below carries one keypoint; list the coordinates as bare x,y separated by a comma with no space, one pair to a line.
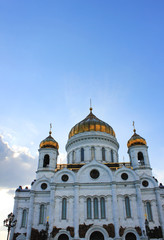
136,140
49,142
91,123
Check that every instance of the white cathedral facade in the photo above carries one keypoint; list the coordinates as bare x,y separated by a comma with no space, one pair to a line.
93,196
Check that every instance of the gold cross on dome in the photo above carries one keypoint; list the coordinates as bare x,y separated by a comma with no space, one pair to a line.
90,105
134,130
50,128
47,218
145,216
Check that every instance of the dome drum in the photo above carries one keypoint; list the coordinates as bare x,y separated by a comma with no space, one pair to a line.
89,140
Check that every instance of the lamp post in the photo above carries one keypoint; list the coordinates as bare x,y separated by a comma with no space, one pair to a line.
147,228
47,228
9,222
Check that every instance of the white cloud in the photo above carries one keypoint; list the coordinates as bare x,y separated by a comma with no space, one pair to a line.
7,201
17,166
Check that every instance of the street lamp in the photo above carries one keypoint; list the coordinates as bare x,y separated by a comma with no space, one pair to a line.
147,228
47,228
9,222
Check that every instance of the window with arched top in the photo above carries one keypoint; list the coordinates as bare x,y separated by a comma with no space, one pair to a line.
130,236
73,156
96,208
112,159
64,208
24,218
63,237
127,207
141,158
89,208
92,153
82,154
103,153
149,211
46,160
41,214
102,207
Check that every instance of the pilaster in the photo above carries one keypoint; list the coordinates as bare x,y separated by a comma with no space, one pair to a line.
115,211
160,211
140,208
30,216
76,211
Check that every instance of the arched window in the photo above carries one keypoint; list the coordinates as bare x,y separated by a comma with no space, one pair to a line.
41,215
102,205
89,208
127,207
46,160
92,153
64,208
112,159
103,153
96,235
96,208
24,218
63,237
82,154
141,158
130,236
73,156
149,212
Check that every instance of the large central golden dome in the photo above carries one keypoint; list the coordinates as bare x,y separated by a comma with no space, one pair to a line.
91,123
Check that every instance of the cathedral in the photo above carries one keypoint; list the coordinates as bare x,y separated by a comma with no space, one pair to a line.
93,196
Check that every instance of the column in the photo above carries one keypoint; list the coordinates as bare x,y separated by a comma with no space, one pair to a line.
160,210
15,211
52,208
87,154
76,212
108,155
30,216
78,155
140,208
98,155
115,211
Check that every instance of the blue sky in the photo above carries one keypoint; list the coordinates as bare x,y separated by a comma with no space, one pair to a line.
56,55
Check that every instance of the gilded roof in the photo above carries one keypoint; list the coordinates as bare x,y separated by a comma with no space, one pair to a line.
49,142
91,123
136,140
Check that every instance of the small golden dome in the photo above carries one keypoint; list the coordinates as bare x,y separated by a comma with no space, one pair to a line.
49,142
136,140
91,123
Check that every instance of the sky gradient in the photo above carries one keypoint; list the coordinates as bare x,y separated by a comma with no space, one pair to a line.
55,56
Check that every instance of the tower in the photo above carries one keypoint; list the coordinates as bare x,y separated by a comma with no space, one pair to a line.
48,153
138,153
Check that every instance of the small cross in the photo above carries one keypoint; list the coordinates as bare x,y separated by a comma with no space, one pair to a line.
50,128
134,130
90,105
47,218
